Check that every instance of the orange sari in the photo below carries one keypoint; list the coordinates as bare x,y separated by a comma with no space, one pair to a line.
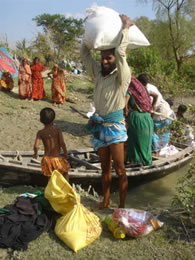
24,80
37,81
58,87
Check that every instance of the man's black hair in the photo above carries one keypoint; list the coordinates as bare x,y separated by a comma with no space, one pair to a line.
110,50
169,101
143,79
47,115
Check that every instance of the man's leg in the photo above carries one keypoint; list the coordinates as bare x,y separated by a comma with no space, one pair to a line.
117,151
106,163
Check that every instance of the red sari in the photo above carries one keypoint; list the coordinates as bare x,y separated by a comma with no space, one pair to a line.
37,81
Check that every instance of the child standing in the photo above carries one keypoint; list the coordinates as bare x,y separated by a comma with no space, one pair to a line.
53,141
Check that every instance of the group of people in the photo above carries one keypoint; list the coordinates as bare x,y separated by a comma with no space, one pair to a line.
113,75
31,74
117,95
31,84
148,118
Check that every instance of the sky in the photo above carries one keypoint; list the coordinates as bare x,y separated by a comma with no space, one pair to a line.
16,16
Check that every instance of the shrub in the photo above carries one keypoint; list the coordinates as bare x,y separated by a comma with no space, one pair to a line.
185,197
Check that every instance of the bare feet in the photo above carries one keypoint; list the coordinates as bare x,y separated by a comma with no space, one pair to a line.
101,205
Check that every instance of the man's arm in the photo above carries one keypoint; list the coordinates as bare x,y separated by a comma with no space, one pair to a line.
36,145
155,98
126,109
91,65
124,72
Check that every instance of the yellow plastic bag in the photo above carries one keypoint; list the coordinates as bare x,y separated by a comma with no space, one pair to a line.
60,194
78,227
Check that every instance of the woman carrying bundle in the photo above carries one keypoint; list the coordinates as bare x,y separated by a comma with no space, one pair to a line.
58,87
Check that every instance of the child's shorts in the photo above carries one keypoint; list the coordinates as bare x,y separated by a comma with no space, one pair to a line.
49,164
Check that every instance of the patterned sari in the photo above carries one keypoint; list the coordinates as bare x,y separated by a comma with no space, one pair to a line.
37,81
140,126
58,87
24,81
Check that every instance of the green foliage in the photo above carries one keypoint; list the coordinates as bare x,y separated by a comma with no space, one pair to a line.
143,59
23,50
63,33
43,47
172,32
46,20
177,132
191,110
185,197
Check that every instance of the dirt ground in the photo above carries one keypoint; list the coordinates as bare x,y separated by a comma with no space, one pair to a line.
20,121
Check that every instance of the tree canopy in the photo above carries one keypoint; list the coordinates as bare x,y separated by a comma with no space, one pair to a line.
62,33
173,29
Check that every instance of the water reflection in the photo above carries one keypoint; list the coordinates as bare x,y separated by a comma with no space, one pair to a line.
156,193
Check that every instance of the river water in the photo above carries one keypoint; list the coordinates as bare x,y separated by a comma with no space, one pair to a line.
157,193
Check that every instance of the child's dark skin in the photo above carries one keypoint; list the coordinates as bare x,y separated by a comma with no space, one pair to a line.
52,140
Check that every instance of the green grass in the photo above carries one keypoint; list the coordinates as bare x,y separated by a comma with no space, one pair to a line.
75,84
169,242
84,86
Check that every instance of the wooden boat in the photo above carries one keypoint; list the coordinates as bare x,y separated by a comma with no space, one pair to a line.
19,168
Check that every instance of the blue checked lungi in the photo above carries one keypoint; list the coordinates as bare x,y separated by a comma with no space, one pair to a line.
107,130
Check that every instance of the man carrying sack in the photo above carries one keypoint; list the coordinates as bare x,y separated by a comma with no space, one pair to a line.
112,78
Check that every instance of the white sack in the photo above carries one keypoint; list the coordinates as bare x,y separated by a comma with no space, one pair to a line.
168,150
102,26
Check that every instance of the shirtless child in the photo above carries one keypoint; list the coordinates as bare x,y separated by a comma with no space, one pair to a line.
53,141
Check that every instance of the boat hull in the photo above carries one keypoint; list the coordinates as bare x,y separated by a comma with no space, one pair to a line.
17,171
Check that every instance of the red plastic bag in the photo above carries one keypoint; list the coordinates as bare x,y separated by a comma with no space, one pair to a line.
136,222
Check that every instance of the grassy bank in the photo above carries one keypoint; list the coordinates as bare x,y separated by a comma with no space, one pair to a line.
173,241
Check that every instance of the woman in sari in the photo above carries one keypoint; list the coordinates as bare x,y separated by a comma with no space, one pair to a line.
37,80
58,87
140,124
6,82
24,80
161,113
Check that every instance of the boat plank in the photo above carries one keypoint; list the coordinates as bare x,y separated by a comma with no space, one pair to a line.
87,167
84,163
